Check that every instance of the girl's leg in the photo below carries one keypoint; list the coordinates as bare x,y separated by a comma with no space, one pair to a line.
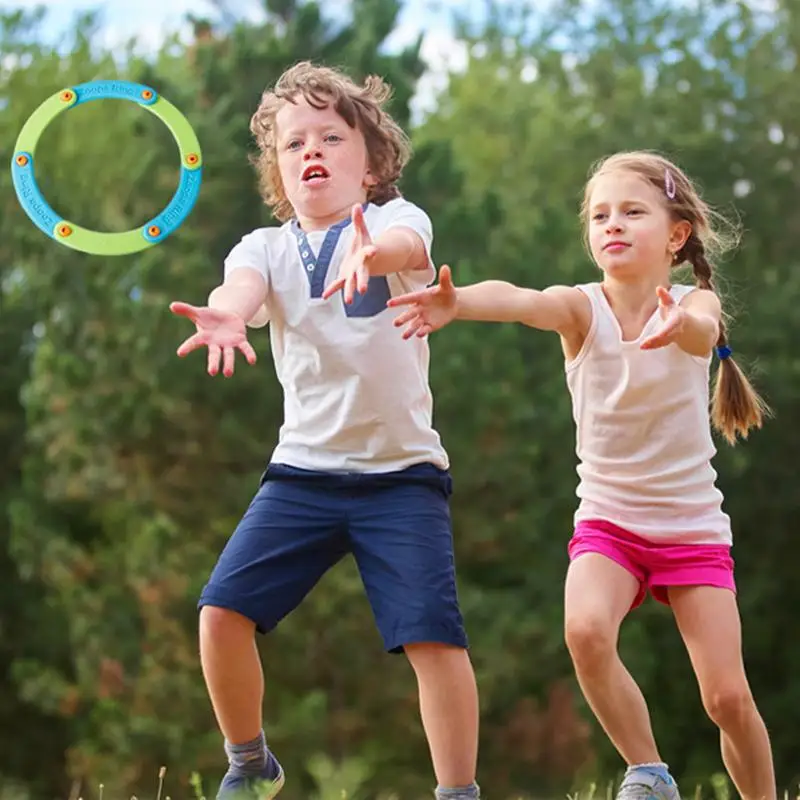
598,594
708,619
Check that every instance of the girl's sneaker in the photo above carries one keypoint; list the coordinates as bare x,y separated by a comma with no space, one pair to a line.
641,783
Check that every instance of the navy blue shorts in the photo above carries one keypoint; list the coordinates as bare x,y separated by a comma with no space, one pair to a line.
300,523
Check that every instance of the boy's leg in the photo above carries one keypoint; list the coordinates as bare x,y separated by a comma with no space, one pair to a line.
708,619
448,700
290,535
402,541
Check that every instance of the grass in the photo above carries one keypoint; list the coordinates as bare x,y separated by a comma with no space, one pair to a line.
721,790
720,784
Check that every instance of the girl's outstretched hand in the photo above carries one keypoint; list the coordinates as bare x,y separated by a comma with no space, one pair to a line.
429,309
223,332
673,317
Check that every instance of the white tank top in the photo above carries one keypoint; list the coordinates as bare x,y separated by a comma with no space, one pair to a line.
643,436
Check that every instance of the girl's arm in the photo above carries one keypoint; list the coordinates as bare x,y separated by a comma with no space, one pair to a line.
563,309
700,329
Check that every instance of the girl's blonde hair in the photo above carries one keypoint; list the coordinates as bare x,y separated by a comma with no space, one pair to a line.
360,107
736,406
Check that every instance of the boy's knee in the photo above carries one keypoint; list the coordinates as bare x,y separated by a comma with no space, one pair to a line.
434,655
221,624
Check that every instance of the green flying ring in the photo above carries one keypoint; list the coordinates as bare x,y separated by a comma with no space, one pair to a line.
68,233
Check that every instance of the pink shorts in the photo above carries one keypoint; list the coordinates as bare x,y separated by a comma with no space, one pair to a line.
656,566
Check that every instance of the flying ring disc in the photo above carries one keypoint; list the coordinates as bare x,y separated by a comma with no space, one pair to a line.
95,242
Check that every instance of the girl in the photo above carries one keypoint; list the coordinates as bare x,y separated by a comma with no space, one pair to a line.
637,357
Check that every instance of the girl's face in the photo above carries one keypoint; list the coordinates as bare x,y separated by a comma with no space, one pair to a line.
631,233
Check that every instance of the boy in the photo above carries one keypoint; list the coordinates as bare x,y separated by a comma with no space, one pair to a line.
358,467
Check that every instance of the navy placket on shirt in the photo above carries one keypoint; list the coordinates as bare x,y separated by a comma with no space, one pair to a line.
316,267
372,302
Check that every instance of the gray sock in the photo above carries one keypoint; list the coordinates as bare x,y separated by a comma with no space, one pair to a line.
471,792
248,758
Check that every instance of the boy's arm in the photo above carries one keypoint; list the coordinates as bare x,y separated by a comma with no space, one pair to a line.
563,309
221,323
245,287
402,248
243,292
398,249
404,244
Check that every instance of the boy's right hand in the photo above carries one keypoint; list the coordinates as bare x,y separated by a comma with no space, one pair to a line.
430,309
223,332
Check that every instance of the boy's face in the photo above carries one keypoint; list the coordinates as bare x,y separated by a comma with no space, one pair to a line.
322,161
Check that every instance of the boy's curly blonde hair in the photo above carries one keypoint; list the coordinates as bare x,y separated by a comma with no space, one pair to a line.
388,147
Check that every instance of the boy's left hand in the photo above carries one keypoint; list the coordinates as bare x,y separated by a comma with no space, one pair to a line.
673,317
354,271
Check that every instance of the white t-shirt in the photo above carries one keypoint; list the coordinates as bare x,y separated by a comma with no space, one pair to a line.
643,434
356,394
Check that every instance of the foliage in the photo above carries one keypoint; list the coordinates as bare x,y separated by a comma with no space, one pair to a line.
123,469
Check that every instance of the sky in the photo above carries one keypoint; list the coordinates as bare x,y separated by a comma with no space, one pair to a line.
150,20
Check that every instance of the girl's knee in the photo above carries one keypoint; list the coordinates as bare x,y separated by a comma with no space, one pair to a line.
590,639
727,703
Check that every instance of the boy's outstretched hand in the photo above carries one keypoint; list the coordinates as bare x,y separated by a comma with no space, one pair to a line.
354,271
430,309
223,332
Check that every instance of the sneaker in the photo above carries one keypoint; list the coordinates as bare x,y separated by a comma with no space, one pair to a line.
643,784
263,787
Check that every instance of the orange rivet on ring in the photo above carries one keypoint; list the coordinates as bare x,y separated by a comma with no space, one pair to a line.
64,230
147,94
66,96
22,160
154,230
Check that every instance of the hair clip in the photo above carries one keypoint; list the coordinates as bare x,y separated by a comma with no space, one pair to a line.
669,185
724,352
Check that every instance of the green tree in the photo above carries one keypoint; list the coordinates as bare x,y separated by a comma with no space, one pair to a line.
124,469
